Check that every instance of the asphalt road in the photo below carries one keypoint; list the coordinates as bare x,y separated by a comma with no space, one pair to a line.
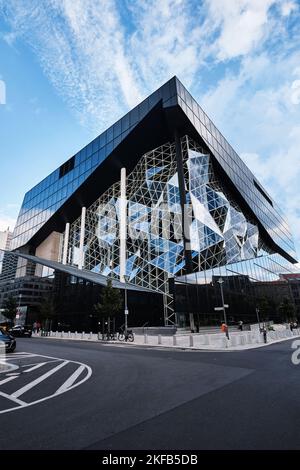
138,398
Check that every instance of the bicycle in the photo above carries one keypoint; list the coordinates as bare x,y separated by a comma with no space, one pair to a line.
129,337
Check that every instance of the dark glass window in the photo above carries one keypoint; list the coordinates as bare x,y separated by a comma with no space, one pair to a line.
66,167
260,189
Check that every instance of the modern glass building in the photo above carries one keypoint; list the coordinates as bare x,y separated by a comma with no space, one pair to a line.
160,201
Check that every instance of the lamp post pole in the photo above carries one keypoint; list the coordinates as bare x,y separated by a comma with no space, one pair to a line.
257,315
126,307
19,305
220,281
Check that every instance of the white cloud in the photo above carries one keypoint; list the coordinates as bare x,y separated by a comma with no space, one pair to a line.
288,7
6,221
102,67
255,110
242,24
2,92
81,47
295,96
168,40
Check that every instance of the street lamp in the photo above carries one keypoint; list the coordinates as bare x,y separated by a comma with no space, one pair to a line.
220,281
126,279
257,315
18,314
20,297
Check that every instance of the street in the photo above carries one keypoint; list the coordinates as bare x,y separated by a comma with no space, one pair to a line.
120,397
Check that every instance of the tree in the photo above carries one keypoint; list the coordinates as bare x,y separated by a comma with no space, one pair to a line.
110,302
46,310
10,308
286,309
264,308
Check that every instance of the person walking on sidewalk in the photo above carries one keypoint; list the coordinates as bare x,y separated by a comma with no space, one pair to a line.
224,329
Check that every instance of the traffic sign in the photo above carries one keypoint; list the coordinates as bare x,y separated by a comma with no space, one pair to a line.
126,312
218,308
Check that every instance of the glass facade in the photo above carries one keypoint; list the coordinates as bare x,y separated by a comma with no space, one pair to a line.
220,235
44,199
185,222
253,289
267,211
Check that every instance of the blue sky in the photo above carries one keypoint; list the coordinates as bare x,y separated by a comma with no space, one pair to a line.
70,68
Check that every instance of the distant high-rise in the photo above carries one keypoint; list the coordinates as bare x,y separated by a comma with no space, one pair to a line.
5,239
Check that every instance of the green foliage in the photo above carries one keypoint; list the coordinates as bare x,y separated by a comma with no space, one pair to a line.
110,302
10,308
287,309
264,307
46,308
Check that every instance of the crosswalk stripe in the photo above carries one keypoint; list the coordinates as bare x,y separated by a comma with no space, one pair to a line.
40,364
71,380
40,379
12,398
8,379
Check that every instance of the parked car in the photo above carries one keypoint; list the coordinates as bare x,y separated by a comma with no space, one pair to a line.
20,331
8,340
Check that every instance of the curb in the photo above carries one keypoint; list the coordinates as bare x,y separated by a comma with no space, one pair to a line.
182,348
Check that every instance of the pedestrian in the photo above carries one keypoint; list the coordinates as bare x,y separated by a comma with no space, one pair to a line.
224,329
241,325
265,334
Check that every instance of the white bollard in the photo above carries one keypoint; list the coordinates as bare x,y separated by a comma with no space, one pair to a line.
2,350
191,341
233,340
82,335
56,333
174,340
91,335
69,334
158,339
62,334
75,334
206,339
243,340
145,338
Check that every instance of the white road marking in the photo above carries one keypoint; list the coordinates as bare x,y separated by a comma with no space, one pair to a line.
16,400
40,379
35,363
40,364
23,404
10,357
8,379
70,380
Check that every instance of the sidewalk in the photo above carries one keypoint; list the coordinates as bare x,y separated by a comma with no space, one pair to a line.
238,341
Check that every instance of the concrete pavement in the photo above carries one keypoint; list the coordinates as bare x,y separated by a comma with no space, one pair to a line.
140,398
238,340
